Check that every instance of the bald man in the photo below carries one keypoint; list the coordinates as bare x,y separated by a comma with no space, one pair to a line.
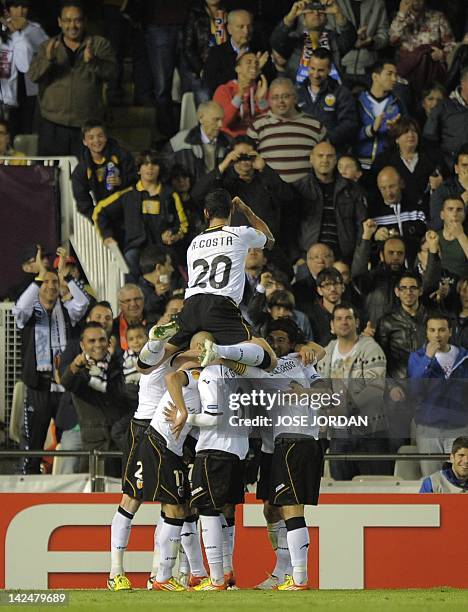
333,207
395,215
203,147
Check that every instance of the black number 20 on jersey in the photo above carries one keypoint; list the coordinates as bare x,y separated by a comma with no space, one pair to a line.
212,271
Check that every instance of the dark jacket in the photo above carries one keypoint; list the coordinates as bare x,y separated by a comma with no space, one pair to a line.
266,194
378,284
87,176
197,32
70,95
460,332
125,209
289,43
186,148
350,211
440,403
447,126
449,188
335,108
398,333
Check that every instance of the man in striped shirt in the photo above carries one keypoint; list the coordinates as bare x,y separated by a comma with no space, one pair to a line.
286,136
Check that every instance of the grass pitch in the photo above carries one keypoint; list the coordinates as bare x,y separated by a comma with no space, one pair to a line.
249,601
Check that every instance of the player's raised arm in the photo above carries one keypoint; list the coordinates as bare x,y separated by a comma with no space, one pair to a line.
254,221
175,381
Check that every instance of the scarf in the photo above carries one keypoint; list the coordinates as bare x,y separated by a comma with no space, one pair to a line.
456,95
309,46
98,373
218,34
50,336
131,375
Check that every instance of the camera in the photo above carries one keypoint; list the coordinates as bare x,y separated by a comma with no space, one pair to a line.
314,6
244,157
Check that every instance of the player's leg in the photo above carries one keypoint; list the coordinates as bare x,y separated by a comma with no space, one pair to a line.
298,544
190,541
120,533
255,352
156,546
276,529
229,529
169,541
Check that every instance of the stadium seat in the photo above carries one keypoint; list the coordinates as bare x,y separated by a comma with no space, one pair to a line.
407,470
188,112
375,478
26,143
16,414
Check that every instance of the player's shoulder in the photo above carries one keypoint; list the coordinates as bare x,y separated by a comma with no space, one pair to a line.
211,373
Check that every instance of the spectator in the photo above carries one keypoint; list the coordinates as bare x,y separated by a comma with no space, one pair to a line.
330,288
395,214
447,125
244,173
105,168
16,52
441,414
16,13
220,66
379,110
157,281
424,40
431,96
182,181
323,98
333,207
453,477
205,28
350,361
163,22
131,302
460,328
284,135
421,168
149,213
453,240
73,61
369,17
297,47
17,158
173,307
72,268
95,381
242,99
255,266
403,330
30,269
454,187
46,325
377,284
350,294
319,256
349,168
203,147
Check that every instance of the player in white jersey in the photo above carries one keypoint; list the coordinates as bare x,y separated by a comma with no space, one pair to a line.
297,461
218,474
216,269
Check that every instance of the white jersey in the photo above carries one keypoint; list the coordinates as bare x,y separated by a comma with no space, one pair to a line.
214,439
289,368
216,260
192,402
152,388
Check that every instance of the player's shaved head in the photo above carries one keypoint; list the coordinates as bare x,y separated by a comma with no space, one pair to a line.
198,340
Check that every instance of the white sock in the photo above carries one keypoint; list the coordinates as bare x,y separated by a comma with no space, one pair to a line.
120,533
157,532
298,544
184,565
212,534
272,530
228,542
190,541
152,352
247,353
283,559
169,540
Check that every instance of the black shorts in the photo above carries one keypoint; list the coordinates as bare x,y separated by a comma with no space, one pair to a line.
296,471
165,475
132,465
263,483
217,480
212,313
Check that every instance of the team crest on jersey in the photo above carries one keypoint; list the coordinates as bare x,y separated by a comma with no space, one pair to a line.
330,100
139,484
195,374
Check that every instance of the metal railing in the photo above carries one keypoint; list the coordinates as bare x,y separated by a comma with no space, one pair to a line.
96,459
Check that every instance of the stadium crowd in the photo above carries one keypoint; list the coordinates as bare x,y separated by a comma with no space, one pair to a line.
341,124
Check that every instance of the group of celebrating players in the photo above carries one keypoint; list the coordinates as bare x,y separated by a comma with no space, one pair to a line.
185,365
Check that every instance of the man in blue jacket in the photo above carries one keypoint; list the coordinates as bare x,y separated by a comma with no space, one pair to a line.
441,405
453,477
